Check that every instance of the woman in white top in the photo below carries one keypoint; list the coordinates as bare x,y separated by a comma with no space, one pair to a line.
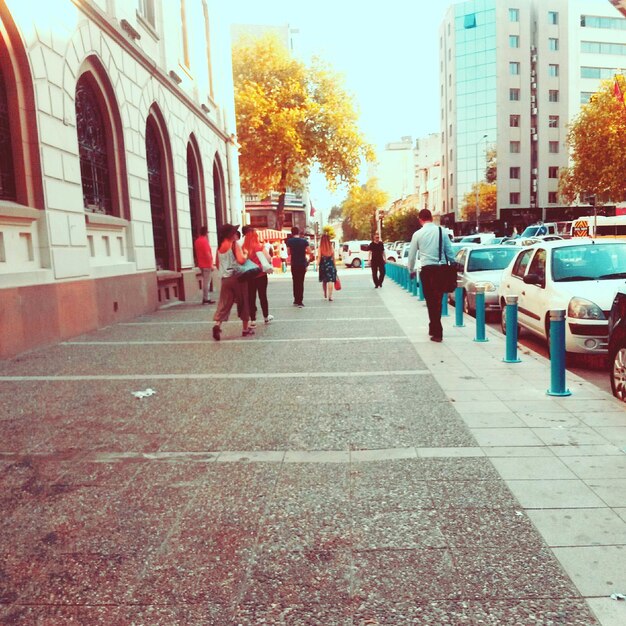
229,257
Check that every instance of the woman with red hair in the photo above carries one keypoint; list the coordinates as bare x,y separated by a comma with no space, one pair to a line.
326,263
252,246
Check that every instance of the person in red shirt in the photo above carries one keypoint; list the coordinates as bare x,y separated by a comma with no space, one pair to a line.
204,259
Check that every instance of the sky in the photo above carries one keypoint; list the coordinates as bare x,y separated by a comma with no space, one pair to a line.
387,52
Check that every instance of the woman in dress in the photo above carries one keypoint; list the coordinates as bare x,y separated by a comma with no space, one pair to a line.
229,257
252,247
326,263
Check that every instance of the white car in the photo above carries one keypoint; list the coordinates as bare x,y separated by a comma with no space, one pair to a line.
580,276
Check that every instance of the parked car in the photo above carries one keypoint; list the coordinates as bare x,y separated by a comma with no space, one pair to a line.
482,266
355,253
478,238
540,228
580,276
617,345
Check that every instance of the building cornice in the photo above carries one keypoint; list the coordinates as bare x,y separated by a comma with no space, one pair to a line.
620,5
119,36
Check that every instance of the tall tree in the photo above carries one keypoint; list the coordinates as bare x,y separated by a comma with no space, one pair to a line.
597,140
359,207
290,116
401,226
487,197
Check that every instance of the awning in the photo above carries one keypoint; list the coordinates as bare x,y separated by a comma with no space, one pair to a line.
269,234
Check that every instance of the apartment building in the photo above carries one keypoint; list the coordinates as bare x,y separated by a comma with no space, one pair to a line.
513,74
116,146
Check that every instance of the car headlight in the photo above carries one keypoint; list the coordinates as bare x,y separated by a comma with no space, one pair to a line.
584,310
487,285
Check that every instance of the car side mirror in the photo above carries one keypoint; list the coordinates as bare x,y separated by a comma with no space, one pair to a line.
532,279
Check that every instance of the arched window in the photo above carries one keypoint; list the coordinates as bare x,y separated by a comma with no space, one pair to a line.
154,156
93,148
7,171
195,187
218,193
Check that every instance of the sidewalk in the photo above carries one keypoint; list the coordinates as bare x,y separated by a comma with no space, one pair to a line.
338,468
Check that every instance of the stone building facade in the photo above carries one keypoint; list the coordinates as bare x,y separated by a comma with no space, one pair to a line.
116,145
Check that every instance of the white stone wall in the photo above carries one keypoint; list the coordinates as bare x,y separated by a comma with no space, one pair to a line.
58,38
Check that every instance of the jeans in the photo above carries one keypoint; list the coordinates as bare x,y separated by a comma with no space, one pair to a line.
206,282
433,293
258,285
378,273
298,273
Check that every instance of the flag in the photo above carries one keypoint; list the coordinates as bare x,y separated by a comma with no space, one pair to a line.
312,213
617,91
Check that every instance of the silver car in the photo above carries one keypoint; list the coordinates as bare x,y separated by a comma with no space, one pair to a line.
483,266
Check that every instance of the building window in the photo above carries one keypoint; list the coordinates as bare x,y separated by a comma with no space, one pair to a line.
514,121
585,96
596,72
593,21
207,36
514,94
184,34
553,17
288,219
514,68
451,180
514,147
553,121
553,147
260,221
553,197
513,41
513,15
470,20
553,172
553,69
553,44
195,188
7,171
597,47
146,10
553,95
514,198
514,172
93,149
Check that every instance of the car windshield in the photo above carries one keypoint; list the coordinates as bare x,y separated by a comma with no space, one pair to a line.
589,262
484,260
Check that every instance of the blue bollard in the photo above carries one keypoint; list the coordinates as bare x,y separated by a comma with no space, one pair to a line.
414,286
420,292
557,354
458,306
480,315
511,330
444,306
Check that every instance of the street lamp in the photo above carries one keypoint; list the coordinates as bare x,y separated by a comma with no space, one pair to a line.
477,206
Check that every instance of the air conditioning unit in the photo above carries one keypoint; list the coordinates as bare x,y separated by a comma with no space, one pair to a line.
533,85
533,58
532,99
535,138
535,171
534,111
534,185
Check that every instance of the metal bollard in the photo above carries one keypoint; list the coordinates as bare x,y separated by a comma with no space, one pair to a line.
511,330
458,305
480,315
557,354
444,306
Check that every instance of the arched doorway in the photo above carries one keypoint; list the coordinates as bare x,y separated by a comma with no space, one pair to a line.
195,188
219,193
160,184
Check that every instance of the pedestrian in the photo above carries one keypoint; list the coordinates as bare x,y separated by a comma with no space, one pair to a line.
435,251
327,267
252,247
377,261
300,250
229,257
204,259
284,255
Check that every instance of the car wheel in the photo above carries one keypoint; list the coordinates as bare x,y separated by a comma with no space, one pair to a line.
466,304
356,263
503,320
618,374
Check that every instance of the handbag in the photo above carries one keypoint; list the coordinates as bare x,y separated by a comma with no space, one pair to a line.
337,284
266,266
448,270
248,270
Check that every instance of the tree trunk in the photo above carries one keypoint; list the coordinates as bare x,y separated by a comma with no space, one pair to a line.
282,188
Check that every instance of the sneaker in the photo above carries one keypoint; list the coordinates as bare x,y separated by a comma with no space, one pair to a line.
252,324
208,302
269,318
247,332
437,339
216,333
300,306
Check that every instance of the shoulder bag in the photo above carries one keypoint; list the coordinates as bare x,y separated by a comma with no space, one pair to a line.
448,270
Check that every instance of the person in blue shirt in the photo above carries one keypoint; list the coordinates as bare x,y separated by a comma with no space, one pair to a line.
300,251
433,257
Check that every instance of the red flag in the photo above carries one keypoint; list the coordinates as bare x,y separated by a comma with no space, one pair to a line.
617,91
312,214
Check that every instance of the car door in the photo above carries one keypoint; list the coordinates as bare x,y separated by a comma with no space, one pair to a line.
535,294
513,284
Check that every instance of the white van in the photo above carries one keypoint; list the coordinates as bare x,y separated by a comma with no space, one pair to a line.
355,253
478,238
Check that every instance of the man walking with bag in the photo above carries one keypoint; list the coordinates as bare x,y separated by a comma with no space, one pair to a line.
435,251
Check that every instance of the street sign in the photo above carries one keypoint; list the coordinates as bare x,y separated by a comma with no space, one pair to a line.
580,229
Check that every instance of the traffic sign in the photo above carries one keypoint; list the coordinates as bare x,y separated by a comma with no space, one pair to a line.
580,229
